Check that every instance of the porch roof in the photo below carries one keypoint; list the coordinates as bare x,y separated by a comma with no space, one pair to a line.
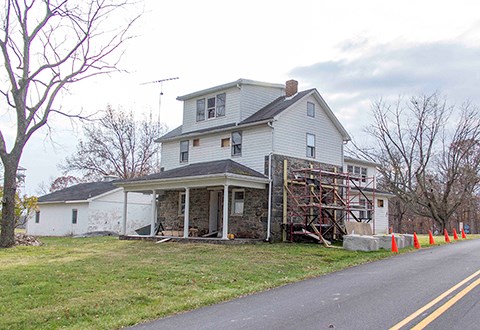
205,174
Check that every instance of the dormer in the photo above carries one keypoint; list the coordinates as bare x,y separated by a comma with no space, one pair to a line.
226,104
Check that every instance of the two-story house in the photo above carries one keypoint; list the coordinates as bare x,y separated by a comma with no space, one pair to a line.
223,169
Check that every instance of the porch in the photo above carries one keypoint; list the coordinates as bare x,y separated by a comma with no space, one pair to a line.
204,201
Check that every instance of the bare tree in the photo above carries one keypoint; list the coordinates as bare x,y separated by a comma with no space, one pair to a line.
117,145
430,170
46,46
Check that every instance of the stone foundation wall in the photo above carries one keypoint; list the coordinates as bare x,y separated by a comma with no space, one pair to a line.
277,189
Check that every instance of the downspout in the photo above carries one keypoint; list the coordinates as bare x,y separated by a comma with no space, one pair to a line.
269,214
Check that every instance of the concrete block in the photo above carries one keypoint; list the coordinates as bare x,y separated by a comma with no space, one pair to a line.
358,228
408,240
384,241
360,243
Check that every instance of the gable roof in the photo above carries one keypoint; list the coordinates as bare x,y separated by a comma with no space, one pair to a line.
79,192
276,107
265,114
225,166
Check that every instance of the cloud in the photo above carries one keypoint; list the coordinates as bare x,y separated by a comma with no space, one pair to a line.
365,72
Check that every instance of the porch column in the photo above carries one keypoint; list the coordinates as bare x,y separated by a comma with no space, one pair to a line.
124,215
186,216
154,213
225,212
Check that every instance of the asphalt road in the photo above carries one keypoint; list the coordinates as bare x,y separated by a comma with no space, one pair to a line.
378,295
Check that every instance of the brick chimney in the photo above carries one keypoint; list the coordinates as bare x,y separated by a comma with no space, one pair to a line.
291,87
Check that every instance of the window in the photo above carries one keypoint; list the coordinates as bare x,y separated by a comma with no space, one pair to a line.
196,142
310,109
37,217
221,105
238,200
358,171
200,109
74,216
225,142
183,151
215,107
310,145
380,202
181,203
236,143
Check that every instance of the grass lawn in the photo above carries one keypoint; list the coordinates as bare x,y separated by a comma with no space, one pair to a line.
104,283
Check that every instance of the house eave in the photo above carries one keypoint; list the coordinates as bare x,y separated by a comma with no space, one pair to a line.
232,84
213,131
195,182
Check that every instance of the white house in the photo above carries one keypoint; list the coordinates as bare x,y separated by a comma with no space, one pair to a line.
88,207
226,168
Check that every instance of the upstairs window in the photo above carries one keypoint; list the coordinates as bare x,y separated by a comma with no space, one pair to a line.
310,145
74,216
215,107
183,151
196,142
358,171
310,109
225,142
236,143
200,109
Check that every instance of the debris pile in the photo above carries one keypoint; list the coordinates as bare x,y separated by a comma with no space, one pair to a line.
26,240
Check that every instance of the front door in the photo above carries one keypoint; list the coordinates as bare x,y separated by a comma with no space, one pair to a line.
215,219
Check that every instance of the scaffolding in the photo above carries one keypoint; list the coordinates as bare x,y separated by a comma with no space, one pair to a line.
319,202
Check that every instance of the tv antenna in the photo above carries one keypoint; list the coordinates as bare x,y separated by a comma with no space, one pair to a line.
160,81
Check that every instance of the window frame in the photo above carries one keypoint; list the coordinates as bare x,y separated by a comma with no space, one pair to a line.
311,150
236,148
184,153
235,200
74,216
181,203
199,110
311,109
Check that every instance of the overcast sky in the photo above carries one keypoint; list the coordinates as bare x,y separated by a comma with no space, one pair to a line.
352,51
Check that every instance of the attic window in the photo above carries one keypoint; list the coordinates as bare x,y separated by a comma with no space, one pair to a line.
310,109
215,107
200,109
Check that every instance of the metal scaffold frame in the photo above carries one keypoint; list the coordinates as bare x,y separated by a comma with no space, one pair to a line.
318,202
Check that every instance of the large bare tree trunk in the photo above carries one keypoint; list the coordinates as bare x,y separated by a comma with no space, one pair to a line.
7,234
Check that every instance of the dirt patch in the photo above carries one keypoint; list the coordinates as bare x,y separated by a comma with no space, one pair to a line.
26,240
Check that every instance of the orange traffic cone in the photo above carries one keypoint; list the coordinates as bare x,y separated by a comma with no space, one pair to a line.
394,244
455,236
430,235
463,234
416,243
447,238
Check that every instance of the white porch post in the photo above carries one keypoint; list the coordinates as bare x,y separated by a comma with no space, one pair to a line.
225,212
124,215
186,219
154,213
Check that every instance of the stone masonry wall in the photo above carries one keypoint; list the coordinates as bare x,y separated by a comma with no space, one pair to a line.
252,224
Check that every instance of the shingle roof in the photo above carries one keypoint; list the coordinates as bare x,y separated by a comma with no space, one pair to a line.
79,192
200,169
274,108
178,131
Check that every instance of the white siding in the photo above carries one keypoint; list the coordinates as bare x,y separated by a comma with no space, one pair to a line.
56,220
256,144
294,124
232,111
105,213
256,97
